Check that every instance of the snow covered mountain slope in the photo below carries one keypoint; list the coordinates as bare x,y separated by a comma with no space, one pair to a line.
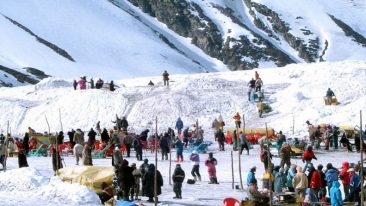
294,91
94,38
119,39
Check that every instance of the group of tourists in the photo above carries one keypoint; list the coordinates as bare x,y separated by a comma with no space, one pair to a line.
82,83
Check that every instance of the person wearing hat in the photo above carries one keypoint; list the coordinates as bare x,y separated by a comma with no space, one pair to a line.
178,178
354,184
195,158
331,175
251,175
211,163
345,177
143,166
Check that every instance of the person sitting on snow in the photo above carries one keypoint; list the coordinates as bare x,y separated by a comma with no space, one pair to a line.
329,96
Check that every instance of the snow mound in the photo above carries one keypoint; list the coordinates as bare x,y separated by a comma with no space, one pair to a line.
52,82
23,179
33,188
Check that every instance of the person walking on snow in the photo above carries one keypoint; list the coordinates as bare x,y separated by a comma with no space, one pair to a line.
243,143
211,163
308,156
179,125
260,107
195,158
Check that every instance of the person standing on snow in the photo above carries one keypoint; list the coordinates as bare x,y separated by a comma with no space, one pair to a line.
87,157
195,158
166,78
148,182
285,155
127,140
237,119
260,107
179,125
300,182
91,137
179,150
178,178
335,194
75,84
22,158
211,163
78,152
164,146
344,175
135,190
251,176
124,124
354,186
220,138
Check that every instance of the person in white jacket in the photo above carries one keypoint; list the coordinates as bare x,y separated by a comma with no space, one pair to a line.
78,152
300,182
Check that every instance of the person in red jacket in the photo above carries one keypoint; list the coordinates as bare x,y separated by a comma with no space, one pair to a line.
22,158
307,157
345,177
316,181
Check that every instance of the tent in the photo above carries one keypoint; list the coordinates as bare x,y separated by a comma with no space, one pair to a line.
90,176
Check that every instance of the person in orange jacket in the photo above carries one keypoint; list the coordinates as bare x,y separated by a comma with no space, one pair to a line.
237,118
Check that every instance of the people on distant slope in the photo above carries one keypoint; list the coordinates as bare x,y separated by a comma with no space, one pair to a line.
99,83
150,83
82,83
111,86
166,78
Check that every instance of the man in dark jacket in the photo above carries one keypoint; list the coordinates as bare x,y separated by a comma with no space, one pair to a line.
126,179
127,140
179,125
26,143
104,136
220,138
166,78
178,178
164,146
91,135
138,147
149,184
124,124
71,137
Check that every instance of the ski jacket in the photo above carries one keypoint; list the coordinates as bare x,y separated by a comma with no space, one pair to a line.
179,124
195,158
250,178
308,155
344,175
300,181
335,194
178,175
316,180
331,175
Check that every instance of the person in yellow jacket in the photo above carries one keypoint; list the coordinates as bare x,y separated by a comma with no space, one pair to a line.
260,107
237,118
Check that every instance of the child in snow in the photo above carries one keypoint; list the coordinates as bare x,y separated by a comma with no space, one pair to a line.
211,163
78,151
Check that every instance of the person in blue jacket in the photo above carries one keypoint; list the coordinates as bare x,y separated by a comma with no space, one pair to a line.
291,172
354,184
331,175
179,125
251,175
335,194
179,150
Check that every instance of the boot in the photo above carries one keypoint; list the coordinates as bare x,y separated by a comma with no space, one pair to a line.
211,180
180,195
150,199
199,178
215,180
176,196
195,178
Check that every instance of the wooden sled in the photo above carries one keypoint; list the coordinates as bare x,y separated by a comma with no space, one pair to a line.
333,101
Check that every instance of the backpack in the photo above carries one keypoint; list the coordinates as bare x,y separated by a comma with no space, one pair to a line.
191,181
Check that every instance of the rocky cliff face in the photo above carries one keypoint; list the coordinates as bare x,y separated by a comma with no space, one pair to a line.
189,20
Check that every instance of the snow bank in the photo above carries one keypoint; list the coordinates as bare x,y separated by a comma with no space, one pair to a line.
26,186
